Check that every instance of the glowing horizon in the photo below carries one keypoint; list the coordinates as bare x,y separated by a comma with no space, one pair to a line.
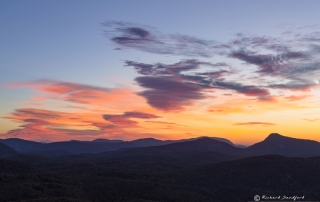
137,78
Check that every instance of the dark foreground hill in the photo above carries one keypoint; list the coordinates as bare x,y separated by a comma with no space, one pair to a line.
238,180
269,175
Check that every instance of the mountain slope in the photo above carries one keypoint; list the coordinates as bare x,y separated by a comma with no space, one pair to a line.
6,151
22,145
286,146
204,144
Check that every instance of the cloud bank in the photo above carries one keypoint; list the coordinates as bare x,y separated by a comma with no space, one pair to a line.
264,67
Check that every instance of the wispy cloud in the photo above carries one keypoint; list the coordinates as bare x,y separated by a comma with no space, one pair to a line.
35,123
81,93
160,69
296,97
125,119
149,39
256,123
268,63
42,124
311,120
140,115
297,85
48,124
165,123
243,89
273,66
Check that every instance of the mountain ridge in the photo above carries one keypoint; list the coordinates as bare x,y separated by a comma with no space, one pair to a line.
274,143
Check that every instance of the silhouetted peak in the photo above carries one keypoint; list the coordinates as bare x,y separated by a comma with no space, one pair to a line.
274,136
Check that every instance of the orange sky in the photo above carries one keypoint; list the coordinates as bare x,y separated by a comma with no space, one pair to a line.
87,112
104,70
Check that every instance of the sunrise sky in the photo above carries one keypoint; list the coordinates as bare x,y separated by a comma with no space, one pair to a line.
130,69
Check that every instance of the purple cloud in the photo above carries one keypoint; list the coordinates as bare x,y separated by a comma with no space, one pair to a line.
124,119
140,115
37,113
160,69
262,94
243,89
288,62
146,38
267,63
294,85
168,94
174,86
215,74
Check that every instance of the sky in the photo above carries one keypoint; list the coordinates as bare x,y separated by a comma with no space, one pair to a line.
130,69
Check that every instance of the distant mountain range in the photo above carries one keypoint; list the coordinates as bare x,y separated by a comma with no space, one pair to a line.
273,144
95,146
199,169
